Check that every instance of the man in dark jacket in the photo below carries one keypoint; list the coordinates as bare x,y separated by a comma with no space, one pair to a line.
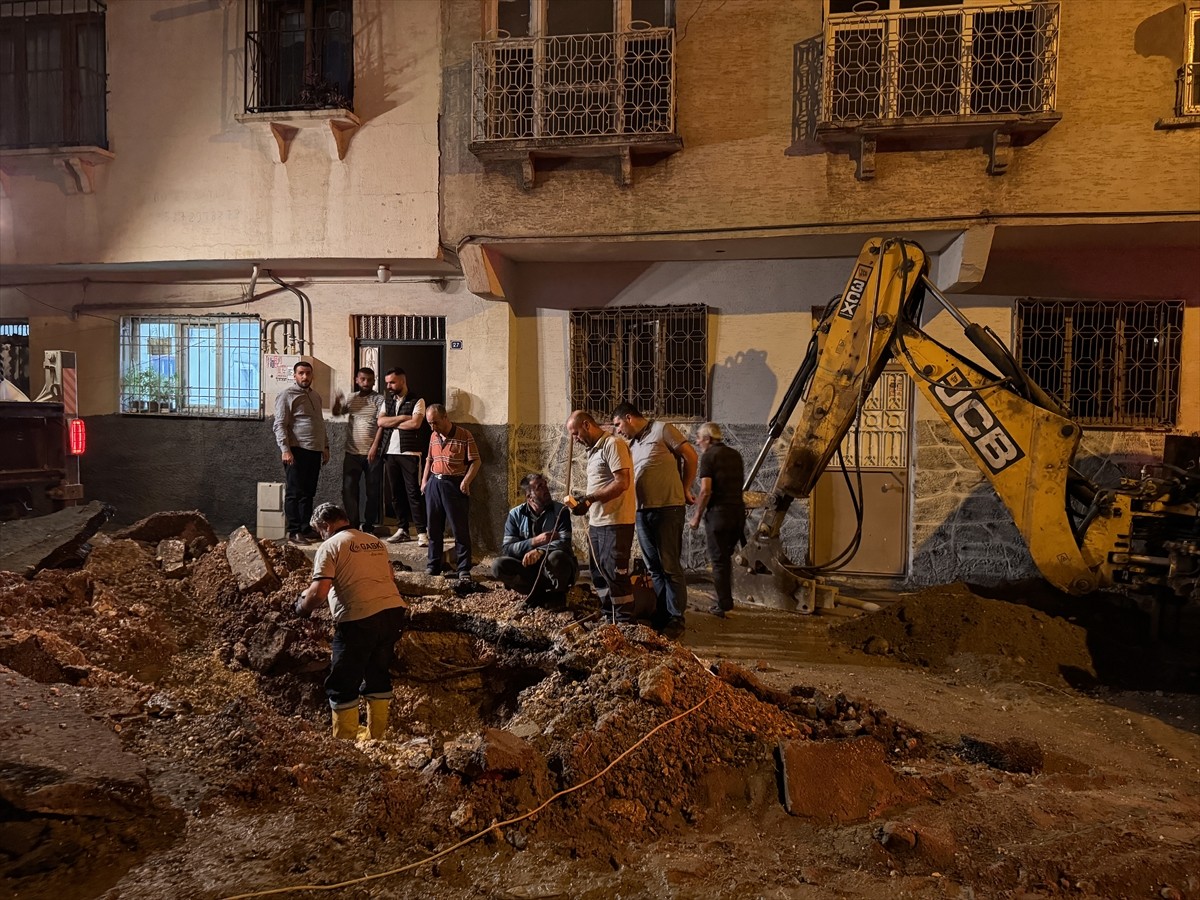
537,558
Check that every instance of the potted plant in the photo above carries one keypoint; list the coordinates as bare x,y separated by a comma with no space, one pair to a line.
145,390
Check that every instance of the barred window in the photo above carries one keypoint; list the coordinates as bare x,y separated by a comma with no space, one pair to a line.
52,73
192,366
1111,363
653,357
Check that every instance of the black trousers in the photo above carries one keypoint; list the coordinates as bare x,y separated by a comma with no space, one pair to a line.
724,529
404,487
363,651
444,500
354,467
558,574
300,486
611,546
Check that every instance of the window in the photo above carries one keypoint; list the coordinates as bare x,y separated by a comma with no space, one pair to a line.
575,68
1111,363
911,62
192,366
299,55
14,352
1188,103
52,74
654,357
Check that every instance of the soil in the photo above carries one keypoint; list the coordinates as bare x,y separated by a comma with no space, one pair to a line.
169,737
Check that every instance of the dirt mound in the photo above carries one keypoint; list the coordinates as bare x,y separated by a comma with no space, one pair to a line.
951,628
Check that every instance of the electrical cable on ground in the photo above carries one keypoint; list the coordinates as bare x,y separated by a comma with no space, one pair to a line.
481,833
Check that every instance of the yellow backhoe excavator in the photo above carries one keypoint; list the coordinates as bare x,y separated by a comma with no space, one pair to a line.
1143,535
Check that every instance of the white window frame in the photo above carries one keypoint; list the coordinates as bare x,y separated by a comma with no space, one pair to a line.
166,369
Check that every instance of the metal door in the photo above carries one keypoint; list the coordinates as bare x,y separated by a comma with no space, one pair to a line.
883,439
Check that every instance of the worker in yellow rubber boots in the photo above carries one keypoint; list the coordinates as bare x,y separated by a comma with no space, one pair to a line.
352,572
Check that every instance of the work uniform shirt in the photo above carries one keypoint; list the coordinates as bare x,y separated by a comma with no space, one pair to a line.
358,565
656,467
363,410
724,466
298,419
605,458
452,454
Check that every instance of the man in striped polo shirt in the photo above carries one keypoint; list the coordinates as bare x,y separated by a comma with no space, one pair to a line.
451,466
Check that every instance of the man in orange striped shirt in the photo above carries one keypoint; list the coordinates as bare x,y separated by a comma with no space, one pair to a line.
451,466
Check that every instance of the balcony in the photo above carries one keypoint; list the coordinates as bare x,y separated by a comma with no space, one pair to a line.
931,78
1187,97
585,95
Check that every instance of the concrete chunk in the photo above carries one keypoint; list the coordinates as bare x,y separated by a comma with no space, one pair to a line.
47,542
171,555
249,564
186,525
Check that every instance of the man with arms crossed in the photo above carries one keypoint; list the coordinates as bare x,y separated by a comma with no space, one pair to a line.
402,420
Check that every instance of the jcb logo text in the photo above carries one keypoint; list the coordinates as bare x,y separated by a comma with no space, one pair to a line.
972,417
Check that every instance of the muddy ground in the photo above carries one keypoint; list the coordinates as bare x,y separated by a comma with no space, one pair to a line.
168,737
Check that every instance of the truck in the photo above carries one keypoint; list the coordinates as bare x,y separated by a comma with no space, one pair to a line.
43,440
1141,536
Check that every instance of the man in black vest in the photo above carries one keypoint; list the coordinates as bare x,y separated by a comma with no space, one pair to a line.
405,439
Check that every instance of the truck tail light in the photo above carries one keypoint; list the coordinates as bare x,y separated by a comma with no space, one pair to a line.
78,437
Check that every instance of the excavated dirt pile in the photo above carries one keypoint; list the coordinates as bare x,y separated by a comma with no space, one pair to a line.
950,628
206,703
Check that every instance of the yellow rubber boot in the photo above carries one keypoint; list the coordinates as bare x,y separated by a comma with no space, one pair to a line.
377,718
345,723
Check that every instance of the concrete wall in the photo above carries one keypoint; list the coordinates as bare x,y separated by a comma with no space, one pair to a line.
189,182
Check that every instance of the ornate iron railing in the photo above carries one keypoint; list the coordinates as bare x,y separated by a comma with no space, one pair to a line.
1187,90
574,86
300,68
933,65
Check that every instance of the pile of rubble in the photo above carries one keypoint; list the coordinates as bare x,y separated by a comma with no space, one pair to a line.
205,689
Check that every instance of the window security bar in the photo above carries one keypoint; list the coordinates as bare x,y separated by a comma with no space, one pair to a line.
936,65
574,86
192,366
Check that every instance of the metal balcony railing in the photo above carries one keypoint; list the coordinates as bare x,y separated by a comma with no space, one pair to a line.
300,68
936,65
600,86
52,74
1187,90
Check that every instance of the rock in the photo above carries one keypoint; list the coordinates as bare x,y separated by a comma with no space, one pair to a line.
493,752
249,564
44,657
631,810
267,648
56,760
838,782
415,754
876,646
171,556
187,526
849,728
464,814
47,542
657,686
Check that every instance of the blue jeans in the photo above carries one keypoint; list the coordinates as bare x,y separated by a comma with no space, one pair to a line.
660,535
363,651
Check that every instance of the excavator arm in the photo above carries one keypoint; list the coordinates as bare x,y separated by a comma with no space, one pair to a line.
1080,537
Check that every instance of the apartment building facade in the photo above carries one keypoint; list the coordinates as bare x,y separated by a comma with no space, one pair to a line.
664,192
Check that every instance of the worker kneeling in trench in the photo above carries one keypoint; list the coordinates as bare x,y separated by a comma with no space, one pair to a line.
352,572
